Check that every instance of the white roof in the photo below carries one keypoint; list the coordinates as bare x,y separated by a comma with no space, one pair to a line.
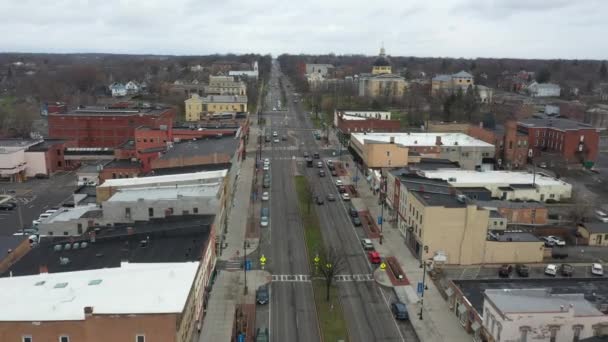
69,214
466,177
540,301
166,193
129,289
422,139
182,177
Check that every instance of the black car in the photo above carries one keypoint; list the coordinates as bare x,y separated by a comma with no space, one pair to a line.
319,200
567,270
522,270
505,271
8,206
353,212
262,295
399,310
267,139
356,221
315,155
283,138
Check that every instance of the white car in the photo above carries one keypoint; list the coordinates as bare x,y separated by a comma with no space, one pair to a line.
276,140
266,167
551,270
556,240
597,269
265,196
264,221
266,161
275,134
345,197
339,182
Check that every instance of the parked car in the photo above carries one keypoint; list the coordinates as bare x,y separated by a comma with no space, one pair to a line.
319,200
367,244
345,197
556,240
265,196
505,271
267,139
522,270
266,167
339,183
276,140
330,165
356,221
266,183
374,257
341,189
7,206
305,155
566,270
601,215
331,198
262,296
399,311
284,138
315,155
352,211
308,162
275,134
597,269
548,242
321,173
266,160
551,270
334,173
264,217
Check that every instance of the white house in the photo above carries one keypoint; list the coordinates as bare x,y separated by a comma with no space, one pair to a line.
247,73
485,93
118,89
539,315
132,87
322,69
536,89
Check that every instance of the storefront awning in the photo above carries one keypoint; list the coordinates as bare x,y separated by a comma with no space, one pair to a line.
475,326
449,292
462,309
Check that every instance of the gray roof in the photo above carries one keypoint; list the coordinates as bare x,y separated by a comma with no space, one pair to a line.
443,78
462,73
509,204
192,148
495,214
557,123
596,227
517,237
540,300
438,200
225,99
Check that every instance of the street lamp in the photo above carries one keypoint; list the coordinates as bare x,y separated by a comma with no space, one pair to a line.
245,264
424,262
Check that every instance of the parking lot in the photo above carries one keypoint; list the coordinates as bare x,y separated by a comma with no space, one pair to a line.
34,197
491,272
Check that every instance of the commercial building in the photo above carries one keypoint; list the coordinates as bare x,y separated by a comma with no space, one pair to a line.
253,73
570,309
135,302
364,121
511,144
23,158
543,89
382,82
573,141
71,221
197,106
225,85
518,213
594,233
507,185
451,83
454,230
109,126
391,149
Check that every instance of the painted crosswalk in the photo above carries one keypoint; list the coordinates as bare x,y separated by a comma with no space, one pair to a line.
291,277
308,278
354,277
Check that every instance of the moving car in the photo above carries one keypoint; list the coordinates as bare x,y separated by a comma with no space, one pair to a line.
367,244
345,197
399,311
321,173
265,196
356,221
7,206
315,155
276,140
566,270
505,271
522,270
319,200
374,257
597,269
556,240
331,198
551,270
352,211
320,165
262,296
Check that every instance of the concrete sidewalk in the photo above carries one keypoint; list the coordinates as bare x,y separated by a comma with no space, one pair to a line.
438,322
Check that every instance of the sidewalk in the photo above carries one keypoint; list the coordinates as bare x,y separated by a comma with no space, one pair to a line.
438,323
227,293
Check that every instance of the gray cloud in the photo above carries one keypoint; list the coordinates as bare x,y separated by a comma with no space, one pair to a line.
467,28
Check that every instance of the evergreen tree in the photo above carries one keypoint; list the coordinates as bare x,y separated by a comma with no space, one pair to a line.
603,71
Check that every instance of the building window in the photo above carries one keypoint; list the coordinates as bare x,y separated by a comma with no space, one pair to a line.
58,152
577,332
553,330
128,212
64,338
195,210
65,233
524,333
79,227
388,153
499,330
59,164
27,338
150,212
140,338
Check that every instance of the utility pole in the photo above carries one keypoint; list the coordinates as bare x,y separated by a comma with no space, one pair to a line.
381,215
245,264
423,287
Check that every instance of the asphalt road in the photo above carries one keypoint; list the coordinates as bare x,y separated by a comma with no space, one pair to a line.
34,197
291,313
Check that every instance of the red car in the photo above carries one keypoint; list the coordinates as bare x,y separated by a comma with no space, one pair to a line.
374,257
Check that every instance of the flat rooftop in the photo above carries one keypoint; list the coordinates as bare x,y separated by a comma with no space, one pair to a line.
594,289
421,139
202,147
554,123
189,169
159,180
225,99
539,300
68,214
172,239
495,204
516,237
438,200
458,177
128,289
110,111
166,192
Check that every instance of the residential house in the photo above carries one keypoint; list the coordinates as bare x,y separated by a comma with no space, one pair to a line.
451,83
595,232
132,88
536,89
118,89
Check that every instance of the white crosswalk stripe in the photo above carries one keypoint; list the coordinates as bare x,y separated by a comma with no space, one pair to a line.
354,277
291,277
307,278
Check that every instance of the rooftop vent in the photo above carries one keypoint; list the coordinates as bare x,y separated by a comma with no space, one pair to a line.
67,246
64,261
83,244
57,248
76,245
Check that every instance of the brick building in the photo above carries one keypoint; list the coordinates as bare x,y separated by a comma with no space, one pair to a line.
571,140
518,212
511,145
107,126
365,121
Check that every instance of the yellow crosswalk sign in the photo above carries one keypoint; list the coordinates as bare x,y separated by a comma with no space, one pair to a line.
383,266
263,260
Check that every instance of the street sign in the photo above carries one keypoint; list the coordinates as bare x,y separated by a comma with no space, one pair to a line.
248,265
383,266
317,259
263,260
419,288
241,338
379,219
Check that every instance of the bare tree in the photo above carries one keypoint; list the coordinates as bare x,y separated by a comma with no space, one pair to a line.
328,266
580,208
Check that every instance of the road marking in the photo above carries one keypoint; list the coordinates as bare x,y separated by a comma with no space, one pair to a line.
291,278
353,277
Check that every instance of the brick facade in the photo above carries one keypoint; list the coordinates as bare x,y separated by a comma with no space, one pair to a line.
368,125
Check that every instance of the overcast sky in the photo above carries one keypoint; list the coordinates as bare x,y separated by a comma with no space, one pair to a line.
453,28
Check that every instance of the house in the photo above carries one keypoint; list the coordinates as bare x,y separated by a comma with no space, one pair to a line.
451,83
595,232
536,89
485,93
118,89
253,74
132,87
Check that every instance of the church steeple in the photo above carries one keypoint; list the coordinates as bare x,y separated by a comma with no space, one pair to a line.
382,65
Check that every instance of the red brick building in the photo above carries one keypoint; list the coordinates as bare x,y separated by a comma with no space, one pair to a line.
365,122
573,141
107,126
511,145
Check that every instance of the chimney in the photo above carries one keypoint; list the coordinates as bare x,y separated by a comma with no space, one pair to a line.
43,269
88,311
392,140
438,140
130,230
